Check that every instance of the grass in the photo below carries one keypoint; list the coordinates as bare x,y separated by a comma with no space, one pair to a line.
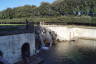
11,24
66,19
11,28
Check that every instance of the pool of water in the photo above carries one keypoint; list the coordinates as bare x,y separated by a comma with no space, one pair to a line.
69,53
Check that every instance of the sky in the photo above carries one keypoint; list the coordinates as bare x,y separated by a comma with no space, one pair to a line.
16,3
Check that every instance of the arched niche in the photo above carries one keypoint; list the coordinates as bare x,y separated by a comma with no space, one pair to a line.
25,50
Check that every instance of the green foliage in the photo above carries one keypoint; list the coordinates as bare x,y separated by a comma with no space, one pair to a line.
57,8
60,10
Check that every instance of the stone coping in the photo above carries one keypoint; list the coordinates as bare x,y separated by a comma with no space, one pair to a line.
72,26
87,38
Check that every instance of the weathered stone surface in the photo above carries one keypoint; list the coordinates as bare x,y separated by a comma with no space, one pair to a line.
11,45
69,33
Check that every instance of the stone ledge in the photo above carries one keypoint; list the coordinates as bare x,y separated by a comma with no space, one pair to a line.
87,38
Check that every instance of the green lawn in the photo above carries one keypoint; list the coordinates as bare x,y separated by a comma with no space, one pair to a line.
66,19
11,24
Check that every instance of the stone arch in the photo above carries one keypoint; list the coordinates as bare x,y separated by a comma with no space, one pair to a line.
25,50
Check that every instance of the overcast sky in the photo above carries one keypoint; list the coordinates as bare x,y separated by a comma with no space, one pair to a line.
15,3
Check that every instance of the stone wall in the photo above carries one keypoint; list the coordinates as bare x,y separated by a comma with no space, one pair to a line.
11,45
68,33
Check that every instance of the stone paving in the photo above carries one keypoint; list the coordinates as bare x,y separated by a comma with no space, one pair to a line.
65,53
68,53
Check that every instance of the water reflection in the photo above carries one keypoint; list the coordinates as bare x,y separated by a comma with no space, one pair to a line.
70,53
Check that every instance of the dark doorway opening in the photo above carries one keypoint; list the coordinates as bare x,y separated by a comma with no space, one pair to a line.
1,62
37,44
25,50
1,54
